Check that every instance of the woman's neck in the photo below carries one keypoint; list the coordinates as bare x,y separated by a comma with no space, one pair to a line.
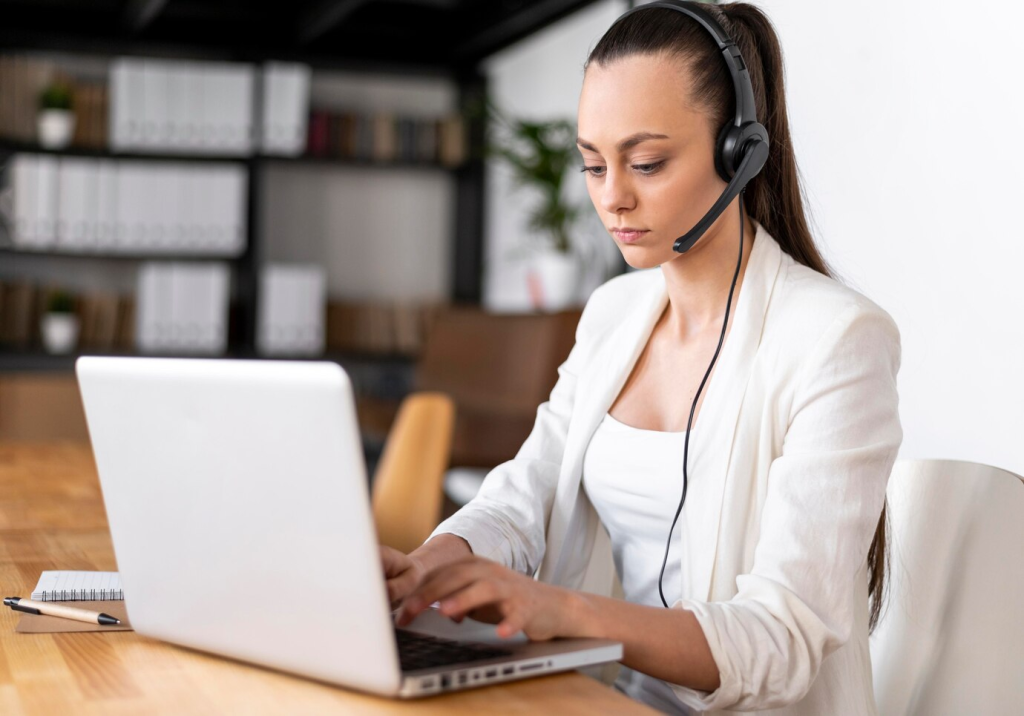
698,281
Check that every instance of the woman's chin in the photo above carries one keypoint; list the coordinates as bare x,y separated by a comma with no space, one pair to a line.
641,258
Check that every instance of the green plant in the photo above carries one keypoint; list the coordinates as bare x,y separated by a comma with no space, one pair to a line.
57,95
60,301
539,154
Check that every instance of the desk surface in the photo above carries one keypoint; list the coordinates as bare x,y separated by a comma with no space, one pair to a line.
52,517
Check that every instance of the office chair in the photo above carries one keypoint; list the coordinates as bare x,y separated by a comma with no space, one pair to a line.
408,481
498,368
951,637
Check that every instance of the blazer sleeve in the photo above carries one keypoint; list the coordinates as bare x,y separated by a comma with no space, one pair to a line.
507,519
823,499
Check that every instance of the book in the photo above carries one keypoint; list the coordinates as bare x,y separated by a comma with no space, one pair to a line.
75,586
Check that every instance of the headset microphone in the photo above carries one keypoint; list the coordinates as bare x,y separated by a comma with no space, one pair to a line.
754,157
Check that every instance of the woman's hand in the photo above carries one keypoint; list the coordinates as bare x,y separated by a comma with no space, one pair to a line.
489,592
403,573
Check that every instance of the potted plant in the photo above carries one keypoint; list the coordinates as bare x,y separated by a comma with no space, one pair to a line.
539,153
59,326
56,120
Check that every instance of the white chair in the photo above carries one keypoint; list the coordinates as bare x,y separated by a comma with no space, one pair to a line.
951,637
462,483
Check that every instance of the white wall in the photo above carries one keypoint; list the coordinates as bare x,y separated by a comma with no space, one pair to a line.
903,117
539,78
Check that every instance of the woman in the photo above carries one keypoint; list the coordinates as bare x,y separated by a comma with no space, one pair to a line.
782,534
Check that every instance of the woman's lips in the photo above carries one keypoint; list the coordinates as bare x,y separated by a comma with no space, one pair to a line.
628,237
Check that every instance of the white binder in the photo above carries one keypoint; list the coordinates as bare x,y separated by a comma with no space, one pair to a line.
106,204
285,108
290,316
178,106
74,177
192,78
46,204
232,187
117,115
128,100
90,203
147,297
26,187
155,108
237,101
213,110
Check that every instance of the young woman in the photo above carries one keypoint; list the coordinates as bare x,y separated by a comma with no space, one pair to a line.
787,443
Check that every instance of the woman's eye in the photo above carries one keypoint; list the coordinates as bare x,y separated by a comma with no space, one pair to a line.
648,168
644,169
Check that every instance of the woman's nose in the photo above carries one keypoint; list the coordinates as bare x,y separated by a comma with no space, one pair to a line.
616,192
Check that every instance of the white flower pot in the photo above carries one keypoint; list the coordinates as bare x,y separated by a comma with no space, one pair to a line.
56,127
556,277
60,332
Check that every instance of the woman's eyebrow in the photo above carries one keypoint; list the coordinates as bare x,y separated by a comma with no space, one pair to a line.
626,143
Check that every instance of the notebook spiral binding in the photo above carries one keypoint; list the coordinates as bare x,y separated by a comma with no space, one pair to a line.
82,595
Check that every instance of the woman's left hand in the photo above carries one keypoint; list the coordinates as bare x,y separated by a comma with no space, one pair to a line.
487,591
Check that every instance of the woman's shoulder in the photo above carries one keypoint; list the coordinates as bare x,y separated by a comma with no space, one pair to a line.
807,307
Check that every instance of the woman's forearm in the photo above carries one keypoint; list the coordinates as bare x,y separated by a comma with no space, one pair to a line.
667,644
442,549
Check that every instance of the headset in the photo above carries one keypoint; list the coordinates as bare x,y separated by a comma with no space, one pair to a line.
740,153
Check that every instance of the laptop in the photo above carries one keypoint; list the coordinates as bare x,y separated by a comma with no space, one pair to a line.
238,503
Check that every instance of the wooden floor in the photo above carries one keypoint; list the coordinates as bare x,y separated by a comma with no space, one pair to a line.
52,517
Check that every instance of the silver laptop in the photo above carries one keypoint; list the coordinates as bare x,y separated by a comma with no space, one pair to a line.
239,509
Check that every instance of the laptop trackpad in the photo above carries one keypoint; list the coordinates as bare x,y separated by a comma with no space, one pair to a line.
431,621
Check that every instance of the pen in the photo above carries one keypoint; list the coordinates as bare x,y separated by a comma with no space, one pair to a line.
59,610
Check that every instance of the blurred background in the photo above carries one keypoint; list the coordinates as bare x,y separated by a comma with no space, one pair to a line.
327,179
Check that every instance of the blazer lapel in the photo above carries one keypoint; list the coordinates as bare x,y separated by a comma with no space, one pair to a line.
596,389
710,445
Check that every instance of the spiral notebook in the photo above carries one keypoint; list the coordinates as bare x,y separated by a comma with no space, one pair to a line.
71,586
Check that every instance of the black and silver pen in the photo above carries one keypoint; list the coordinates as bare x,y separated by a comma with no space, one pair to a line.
59,610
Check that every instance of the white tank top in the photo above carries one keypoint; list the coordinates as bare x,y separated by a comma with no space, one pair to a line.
634,479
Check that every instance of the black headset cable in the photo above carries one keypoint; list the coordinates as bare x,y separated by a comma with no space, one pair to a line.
686,443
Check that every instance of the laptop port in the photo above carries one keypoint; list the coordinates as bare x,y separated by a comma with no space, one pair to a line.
531,667
507,670
446,681
428,683
491,673
463,677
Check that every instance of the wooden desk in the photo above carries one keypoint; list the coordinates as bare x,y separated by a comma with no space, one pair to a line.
52,517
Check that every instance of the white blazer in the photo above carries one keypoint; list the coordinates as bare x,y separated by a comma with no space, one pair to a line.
799,430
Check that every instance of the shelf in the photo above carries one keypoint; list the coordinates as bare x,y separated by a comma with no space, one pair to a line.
14,361
8,146
11,250
358,163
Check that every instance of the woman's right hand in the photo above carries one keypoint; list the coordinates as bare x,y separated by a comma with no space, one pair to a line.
403,574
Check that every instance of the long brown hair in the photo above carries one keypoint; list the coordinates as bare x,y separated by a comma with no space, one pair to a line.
774,196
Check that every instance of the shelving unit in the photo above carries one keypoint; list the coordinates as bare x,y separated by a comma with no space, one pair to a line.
421,40
416,40
246,264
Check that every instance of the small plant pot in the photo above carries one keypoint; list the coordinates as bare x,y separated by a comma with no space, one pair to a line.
59,332
556,277
56,128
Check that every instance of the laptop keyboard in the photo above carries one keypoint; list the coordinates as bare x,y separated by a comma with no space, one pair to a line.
419,651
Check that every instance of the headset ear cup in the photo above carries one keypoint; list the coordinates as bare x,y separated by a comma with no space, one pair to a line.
725,163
